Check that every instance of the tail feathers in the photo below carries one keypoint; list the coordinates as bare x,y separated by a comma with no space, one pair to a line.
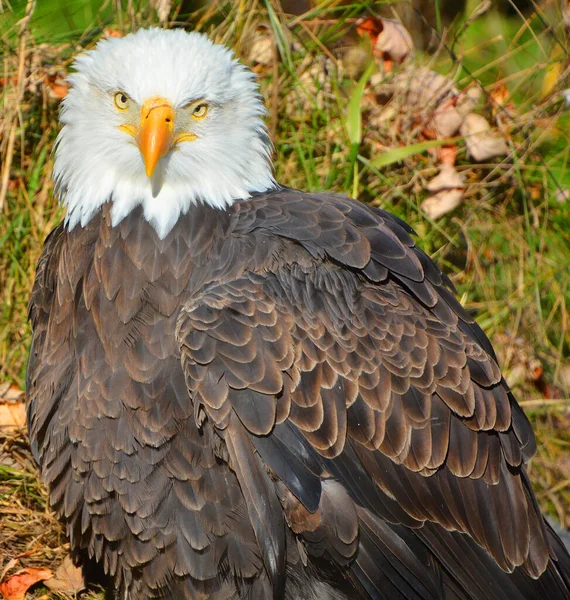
394,562
470,573
555,582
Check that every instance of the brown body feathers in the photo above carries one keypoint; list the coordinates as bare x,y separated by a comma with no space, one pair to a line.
279,400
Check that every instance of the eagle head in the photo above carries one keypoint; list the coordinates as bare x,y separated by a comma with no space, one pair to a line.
163,119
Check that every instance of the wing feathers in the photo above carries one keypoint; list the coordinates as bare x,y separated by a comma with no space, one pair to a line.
404,404
263,505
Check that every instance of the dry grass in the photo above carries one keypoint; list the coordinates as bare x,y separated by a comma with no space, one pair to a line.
507,247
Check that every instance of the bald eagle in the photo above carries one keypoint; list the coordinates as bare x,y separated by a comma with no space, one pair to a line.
240,390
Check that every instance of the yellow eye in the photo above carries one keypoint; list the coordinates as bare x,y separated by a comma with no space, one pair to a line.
121,101
200,110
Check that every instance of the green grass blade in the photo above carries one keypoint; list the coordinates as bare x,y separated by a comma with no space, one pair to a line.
354,113
403,152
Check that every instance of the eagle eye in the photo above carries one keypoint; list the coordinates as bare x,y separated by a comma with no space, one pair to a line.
121,101
200,110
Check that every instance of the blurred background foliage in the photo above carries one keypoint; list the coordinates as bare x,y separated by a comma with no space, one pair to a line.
505,242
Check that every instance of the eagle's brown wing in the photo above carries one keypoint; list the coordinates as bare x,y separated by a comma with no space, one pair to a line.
51,363
352,392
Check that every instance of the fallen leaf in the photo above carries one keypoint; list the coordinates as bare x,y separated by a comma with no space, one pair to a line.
16,586
112,33
446,192
379,115
390,39
447,179
546,389
13,415
8,567
535,190
68,578
10,392
370,26
500,95
481,143
422,88
449,117
442,202
447,154
57,86
262,51
12,406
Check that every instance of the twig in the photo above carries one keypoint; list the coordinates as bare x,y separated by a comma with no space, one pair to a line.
274,92
24,24
542,402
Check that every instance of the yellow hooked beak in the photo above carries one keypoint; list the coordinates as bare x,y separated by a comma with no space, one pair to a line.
156,132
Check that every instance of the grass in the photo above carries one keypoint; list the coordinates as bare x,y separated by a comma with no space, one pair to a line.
507,248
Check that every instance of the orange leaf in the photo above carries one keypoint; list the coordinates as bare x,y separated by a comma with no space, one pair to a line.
57,85
12,407
112,33
390,39
16,586
447,154
500,95
13,415
371,26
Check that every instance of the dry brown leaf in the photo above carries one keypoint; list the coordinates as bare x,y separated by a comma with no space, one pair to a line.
12,406
445,122
432,98
68,578
448,117
502,104
394,41
447,179
13,415
8,567
57,86
442,202
379,115
112,33
421,88
16,586
446,155
446,192
10,393
390,39
262,51
481,143
500,95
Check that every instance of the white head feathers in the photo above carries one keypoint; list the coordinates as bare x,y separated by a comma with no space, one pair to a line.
96,161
